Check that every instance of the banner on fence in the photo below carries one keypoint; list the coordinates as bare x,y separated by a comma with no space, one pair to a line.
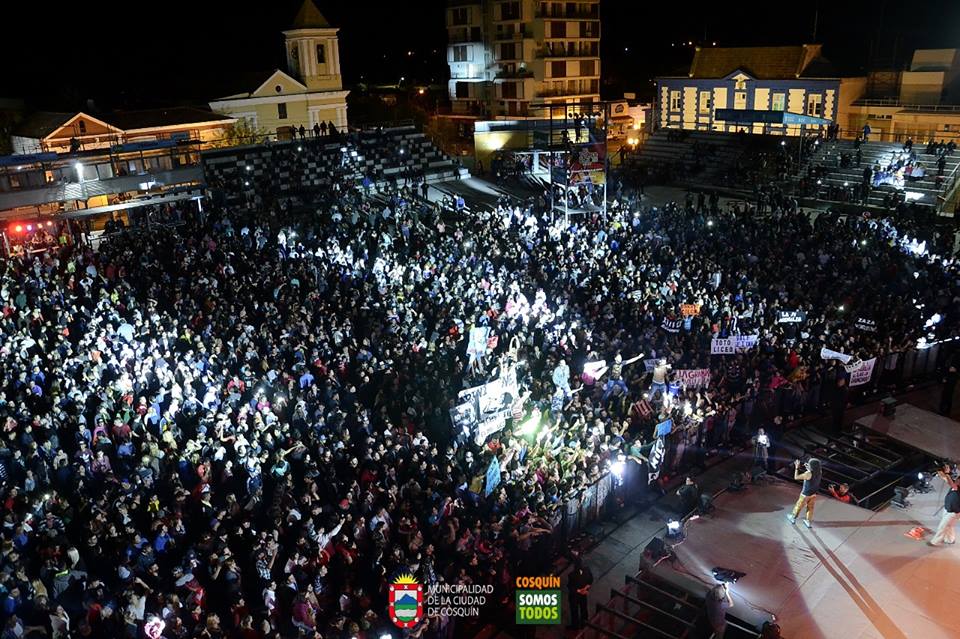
865,324
493,477
862,373
655,459
733,344
689,309
693,377
826,353
671,325
791,317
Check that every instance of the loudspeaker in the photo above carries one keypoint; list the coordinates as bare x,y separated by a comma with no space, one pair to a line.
888,407
656,549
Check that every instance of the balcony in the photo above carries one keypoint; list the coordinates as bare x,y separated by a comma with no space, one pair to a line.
514,75
566,53
522,34
576,14
581,92
458,35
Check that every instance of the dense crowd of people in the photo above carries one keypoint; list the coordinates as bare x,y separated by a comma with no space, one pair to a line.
240,426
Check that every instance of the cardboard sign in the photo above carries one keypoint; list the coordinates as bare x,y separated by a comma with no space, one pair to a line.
664,428
688,310
791,317
732,345
862,373
826,353
864,324
671,325
693,378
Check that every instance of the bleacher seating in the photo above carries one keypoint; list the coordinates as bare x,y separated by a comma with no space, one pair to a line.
297,166
827,157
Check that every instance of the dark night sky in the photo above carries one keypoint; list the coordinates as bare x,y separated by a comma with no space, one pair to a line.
146,54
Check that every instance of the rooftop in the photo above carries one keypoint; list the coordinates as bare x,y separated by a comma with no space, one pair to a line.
764,63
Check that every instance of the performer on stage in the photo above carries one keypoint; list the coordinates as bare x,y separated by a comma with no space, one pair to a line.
946,532
808,495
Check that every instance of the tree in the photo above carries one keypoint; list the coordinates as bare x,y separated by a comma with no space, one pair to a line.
241,132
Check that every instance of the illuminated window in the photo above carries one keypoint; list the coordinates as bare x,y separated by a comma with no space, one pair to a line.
461,54
741,84
815,105
674,100
281,110
461,15
779,102
704,102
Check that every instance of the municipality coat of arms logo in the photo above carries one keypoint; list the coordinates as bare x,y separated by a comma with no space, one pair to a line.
406,601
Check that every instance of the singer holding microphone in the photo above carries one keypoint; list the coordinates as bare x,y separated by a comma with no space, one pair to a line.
946,531
808,494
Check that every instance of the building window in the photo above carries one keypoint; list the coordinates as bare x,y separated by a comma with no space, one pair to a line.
741,85
281,110
508,51
295,58
674,100
461,53
558,29
461,15
558,69
779,102
510,11
588,68
82,126
814,105
463,90
509,90
704,102
321,54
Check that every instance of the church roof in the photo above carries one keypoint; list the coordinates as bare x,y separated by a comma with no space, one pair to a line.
309,17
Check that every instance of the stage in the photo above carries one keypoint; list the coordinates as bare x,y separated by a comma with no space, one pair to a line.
855,575
934,434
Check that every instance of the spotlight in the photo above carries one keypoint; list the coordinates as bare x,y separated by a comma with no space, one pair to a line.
386,635
18,228
922,485
863,242
617,468
29,227
299,148
710,223
674,529
727,575
900,497
249,168
840,308
530,426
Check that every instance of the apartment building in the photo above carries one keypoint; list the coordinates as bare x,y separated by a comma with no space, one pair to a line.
509,57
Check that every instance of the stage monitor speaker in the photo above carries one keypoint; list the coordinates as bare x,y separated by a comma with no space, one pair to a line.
888,407
656,549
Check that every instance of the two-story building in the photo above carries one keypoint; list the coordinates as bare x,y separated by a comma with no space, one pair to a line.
794,80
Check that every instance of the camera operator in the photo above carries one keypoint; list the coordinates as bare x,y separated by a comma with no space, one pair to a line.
811,475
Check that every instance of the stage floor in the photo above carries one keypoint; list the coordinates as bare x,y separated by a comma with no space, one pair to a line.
929,432
855,575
